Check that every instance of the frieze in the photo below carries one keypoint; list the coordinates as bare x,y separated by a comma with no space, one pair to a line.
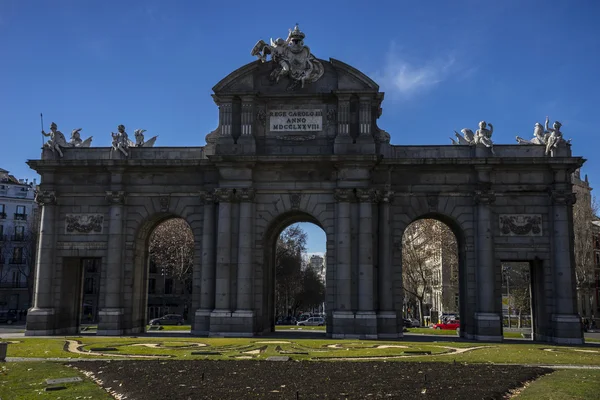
45,198
520,224
81,245
84,223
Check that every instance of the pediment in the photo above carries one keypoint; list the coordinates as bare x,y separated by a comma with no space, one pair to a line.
253,78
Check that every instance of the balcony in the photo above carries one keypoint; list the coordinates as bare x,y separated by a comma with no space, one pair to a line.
18,238
20,217
19,260
2,215
3,238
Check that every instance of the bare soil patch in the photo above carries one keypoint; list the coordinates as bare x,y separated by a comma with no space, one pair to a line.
200,379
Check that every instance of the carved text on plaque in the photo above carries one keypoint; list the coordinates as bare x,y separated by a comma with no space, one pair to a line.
84,223
521,225
295,120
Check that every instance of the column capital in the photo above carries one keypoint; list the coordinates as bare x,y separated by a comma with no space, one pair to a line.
385,195
115,197
245,194
367,195
207,196
562,197
223,195
45,197
343,195
487,197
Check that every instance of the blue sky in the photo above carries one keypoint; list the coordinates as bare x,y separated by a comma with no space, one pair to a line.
443,65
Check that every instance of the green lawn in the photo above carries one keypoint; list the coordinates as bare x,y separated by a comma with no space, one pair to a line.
27,380
569,384
302,349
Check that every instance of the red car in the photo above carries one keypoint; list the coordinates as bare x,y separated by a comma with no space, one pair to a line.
452,324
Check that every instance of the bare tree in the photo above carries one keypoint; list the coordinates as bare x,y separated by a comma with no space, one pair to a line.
172,248
291,244
584,211
427,246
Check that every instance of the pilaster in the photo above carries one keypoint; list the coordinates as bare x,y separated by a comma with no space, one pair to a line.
366,322
343,317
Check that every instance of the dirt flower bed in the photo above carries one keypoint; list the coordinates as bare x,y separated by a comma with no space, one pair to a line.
174,380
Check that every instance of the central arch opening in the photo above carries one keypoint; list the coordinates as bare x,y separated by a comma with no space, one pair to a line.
430,275
296,259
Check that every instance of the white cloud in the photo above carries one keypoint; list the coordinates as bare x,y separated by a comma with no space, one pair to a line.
406,78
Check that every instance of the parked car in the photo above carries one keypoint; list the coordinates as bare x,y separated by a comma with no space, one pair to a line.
8,316
312,321
169,319
415,323
452,324
289,320
407,323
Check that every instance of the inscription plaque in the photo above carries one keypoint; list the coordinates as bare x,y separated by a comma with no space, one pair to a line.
296,120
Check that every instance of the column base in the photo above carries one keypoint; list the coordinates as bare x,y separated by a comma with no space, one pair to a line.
110,322
40,322
387,325
201,323
567,329
231,324
365,324
489,327
343,325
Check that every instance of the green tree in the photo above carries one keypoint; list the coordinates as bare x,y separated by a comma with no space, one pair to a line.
288,269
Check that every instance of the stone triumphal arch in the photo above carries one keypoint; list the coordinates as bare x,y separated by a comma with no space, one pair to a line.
298,140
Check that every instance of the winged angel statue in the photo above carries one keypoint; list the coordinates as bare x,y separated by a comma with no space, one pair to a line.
58,141
546,136
122,143
290,58
482,136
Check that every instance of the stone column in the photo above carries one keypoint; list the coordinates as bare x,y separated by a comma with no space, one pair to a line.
207,272
40,318
244,311
343,140
565,322
387,325
365,251
366,320
223,278
112,314
244,281
489,325
343,317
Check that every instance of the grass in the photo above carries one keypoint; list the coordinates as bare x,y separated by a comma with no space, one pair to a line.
26,381
446,332
571,384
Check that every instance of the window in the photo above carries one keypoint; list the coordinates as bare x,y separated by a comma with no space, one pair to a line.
1,232
90,265
152,286
19,233
2,211
20,214
17,257
169,286
16,278
152,267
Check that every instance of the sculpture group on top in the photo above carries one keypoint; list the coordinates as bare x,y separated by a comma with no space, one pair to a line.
546,136
121,142
482,136
58,141
291,58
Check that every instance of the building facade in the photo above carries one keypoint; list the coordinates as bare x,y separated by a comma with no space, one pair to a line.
298,141
18,215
